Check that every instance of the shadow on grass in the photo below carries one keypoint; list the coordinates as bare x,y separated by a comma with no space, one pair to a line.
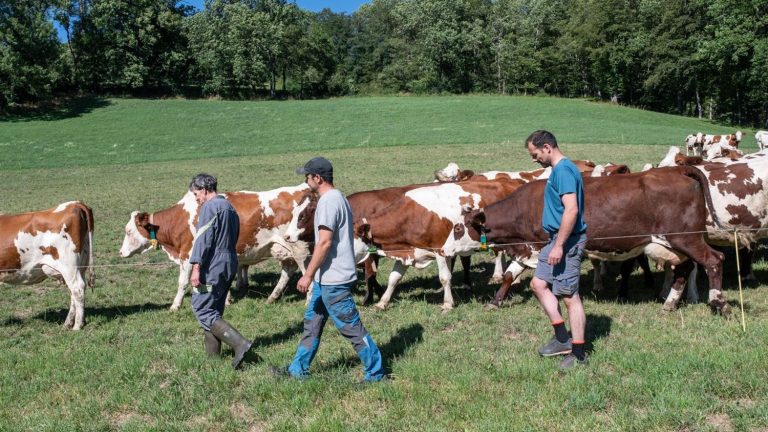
598,327
396,347
277,338
57,316
69,108
426,286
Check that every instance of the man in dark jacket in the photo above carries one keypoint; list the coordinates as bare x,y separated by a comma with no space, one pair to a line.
214,266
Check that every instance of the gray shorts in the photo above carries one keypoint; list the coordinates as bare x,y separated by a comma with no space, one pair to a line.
563,277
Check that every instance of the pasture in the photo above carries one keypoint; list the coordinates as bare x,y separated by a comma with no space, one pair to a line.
137,366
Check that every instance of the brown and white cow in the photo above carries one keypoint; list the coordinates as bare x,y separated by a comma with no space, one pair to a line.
55,243
264,217
661,212
731,140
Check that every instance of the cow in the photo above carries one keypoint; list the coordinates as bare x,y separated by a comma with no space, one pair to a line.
55,243
732,140
452,173
694,144
264,217
412,230
660,212
762,139
720,150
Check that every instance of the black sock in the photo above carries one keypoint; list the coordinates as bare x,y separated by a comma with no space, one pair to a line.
561,334
577,350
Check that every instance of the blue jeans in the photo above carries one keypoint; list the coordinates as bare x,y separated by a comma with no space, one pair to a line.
335,301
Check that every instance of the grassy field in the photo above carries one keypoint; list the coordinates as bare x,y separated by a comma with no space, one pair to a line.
137,366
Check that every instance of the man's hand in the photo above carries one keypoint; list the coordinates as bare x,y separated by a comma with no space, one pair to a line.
194,279
303,284
555,255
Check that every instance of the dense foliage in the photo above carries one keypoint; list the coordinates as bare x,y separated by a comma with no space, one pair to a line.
703,58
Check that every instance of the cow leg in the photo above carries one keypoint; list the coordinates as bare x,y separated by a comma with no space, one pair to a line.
626,270
745,262
511,276
693,290
185,272
681,273
372,285
667,284
287,269
597,275
444,272
642,261
242,277
398,271
466,263
712,261
76,315
242,283
498,268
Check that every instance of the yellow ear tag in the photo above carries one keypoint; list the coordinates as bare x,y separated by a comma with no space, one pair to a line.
153,240
483,242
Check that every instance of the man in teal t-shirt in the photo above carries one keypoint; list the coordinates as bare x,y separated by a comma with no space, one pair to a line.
557,271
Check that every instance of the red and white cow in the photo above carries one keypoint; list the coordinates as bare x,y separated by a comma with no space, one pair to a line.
55,243
732,140
666,207
264,217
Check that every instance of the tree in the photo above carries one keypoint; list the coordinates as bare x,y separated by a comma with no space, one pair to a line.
28,53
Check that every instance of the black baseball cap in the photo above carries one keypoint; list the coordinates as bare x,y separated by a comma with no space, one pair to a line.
317,165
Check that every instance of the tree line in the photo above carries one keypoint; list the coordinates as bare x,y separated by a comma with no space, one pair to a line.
704,58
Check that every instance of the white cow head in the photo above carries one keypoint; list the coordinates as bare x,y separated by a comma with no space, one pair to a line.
136,235
302,226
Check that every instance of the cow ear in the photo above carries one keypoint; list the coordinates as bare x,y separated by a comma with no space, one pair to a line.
466,209
477,218
363,230
142,219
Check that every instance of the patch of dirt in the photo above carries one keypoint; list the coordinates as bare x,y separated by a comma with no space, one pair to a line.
721,422
120,419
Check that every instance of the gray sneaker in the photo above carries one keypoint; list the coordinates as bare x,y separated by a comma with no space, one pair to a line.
554,347
570,361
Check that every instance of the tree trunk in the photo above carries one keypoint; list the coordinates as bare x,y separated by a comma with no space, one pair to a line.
699,108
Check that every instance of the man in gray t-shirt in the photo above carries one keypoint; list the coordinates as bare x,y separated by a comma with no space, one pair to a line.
332,273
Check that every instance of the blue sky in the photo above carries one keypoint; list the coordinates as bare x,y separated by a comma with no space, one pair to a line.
338,6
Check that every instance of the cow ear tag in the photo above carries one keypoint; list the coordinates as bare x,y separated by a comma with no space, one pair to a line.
153,239
483,242
372,249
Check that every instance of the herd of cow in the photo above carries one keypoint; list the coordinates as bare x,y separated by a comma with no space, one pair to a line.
672,213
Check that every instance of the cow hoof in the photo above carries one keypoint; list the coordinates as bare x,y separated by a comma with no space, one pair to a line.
380,307
174,308
495,280
446,307
270,300
491,306
669,307
721,307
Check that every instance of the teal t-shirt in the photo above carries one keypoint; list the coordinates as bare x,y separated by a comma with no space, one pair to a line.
565,179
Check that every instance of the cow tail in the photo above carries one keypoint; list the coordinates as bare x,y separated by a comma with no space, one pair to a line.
89,222
699,176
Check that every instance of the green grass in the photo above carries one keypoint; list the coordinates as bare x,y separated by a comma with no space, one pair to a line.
137,366
126,131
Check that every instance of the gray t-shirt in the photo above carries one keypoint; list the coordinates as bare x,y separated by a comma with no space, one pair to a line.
334,213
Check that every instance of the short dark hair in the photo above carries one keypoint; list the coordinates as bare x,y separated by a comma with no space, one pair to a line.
541,137
204,182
